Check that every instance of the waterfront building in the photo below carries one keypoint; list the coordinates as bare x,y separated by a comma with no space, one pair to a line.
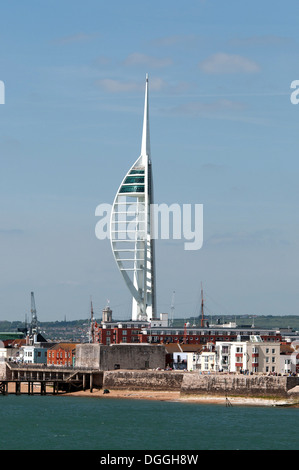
191,357
62,354
114,332
289,358
131,229
34,354
255,355
204,360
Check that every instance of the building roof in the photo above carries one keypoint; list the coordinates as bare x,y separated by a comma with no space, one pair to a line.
182,348
65,346
17,343
287,349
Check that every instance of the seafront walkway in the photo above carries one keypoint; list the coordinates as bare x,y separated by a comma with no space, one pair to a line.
35,378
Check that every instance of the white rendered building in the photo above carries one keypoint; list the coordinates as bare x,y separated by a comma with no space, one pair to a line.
254,356
131,228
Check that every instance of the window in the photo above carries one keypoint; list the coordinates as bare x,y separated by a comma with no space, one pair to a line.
132,189
134,179
137,172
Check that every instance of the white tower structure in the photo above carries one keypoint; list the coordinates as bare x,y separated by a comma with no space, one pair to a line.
131,228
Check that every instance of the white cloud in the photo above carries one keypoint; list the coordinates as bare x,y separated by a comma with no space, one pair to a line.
142,59
228,63
118,86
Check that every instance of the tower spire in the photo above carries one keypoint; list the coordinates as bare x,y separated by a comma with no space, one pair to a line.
131,228
145,143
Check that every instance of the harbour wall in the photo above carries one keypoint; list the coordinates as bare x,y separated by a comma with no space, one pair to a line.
195,384
143,380
192,383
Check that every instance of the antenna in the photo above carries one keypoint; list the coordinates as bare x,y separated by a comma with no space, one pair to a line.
172,308
202,323
91,336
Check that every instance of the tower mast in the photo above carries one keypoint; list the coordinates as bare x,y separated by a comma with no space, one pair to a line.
202,323
91,323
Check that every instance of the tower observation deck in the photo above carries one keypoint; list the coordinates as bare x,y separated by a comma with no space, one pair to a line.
131,228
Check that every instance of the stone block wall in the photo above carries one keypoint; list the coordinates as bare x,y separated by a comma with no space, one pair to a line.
120,356
143,380
88,356
195,384
239,385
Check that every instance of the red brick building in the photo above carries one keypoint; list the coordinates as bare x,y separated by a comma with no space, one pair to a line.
136,332
62,354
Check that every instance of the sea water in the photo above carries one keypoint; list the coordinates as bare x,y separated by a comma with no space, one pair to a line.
101,423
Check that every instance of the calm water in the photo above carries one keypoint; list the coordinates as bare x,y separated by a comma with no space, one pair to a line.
66,423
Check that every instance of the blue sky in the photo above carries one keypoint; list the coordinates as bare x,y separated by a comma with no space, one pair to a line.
223,134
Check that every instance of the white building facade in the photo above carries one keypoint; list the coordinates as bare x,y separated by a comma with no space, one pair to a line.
254,356
34,355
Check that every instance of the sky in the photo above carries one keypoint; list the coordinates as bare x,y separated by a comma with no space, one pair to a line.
224,133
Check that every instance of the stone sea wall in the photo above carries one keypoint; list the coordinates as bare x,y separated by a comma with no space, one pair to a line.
195,384
143,380
239,385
